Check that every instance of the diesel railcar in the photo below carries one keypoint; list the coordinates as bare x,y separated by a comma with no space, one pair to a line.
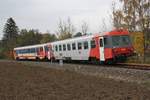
105,47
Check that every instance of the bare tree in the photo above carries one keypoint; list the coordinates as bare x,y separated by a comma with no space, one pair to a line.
134,15
65,29
104,27
117,16
84,28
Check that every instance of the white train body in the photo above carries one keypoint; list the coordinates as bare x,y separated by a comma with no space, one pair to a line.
75,52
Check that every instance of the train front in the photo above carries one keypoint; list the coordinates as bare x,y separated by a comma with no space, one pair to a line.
118,46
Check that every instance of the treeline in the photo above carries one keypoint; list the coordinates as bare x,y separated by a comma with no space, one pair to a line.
15,37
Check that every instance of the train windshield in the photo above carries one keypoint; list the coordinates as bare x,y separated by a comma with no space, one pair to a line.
123,40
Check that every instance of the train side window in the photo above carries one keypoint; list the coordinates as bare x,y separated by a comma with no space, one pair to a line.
86,46
25,50
79,46
41,48
36,49
46,48
56,48
64,47
28,50
32,50
68,47
60,48
116,40
21,51
93,45
73,46
101,43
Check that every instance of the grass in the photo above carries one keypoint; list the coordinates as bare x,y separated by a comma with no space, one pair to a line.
136,59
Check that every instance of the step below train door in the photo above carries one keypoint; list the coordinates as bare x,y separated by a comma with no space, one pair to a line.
101,43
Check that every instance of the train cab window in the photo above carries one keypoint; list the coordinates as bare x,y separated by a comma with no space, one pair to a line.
73,46
60,48
125,40
56,48
116,40
86,46
93,45
79,46
68,47
17,51
101,43
64,47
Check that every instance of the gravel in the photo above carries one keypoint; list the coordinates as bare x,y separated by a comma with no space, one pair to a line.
112,72
28,81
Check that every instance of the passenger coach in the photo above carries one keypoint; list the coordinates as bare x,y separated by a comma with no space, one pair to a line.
36,52
107,47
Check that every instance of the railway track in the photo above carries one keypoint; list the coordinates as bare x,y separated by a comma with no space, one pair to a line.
117,65
135,66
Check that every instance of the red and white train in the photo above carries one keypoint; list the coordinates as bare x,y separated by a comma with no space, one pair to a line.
106,47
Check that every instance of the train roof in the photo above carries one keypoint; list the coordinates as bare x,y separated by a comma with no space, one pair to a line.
117,32
31,46
73,39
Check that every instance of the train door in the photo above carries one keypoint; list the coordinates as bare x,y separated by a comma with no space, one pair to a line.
101,42
80,50
50,52
46,51
40,52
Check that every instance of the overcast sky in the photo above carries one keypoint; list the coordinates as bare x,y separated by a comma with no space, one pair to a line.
44,15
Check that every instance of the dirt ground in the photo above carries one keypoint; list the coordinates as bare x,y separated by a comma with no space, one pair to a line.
20,82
